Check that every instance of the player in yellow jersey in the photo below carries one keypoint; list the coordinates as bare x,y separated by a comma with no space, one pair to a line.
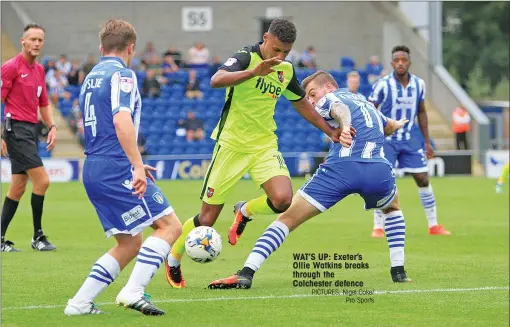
254,78
502,178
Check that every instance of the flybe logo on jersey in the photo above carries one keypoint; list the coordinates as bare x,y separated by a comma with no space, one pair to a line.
268,88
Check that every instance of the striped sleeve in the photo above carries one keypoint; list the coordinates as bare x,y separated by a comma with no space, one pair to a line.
378,92
123,91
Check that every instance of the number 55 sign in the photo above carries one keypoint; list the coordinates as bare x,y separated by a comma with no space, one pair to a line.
197,19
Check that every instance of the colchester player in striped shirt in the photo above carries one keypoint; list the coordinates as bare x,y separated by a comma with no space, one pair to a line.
401,95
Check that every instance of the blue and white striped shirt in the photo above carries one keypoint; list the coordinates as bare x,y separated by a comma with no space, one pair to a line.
109,88
367,145
398,102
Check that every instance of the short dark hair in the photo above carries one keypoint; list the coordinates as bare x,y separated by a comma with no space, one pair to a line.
284,30
398,48
321,77
33,25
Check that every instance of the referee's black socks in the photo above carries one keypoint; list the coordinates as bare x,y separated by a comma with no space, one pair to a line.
8,211
37,210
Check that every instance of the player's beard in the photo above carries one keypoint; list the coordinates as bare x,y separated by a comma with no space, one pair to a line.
402,74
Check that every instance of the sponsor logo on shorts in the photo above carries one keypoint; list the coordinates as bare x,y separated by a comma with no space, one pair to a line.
133,215
385,199
127,184
210,192
158,197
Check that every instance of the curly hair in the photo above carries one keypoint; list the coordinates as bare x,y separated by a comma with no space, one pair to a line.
284,30
400,48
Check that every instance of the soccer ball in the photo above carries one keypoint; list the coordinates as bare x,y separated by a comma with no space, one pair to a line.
203,244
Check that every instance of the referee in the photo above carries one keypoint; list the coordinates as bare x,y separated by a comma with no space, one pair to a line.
24,92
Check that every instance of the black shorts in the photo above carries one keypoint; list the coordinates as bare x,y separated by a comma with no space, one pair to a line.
22,146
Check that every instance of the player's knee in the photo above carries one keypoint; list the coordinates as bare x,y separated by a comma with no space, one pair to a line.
16,190
173,228
422,180
131,247
42,184
393,206
207,219
280,202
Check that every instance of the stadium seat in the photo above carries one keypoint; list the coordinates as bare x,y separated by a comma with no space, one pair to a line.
339,75
140,75
347,63
365,89
363,77
177,150
43,153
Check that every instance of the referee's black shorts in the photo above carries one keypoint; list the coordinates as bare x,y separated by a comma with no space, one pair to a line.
22,146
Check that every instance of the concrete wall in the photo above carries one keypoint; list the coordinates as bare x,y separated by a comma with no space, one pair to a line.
335,29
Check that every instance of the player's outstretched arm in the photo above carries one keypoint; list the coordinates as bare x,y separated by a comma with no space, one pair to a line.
228,77
392,125
341,113
223,78
305,109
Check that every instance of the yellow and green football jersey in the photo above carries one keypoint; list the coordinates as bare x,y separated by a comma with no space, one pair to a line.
247,123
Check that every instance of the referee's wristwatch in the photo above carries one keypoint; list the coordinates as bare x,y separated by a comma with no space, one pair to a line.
52,126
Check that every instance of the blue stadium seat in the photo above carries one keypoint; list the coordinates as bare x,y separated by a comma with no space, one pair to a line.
338,75
347,63
365,89
43,153
140,75
205,150
179,141
45,59
177,87
175,102
161,102
285,147
363,77
148,102
177,150
217,94
74,90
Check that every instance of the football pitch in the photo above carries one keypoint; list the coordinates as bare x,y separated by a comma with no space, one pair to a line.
458,280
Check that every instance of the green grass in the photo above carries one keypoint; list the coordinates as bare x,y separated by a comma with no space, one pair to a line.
475,256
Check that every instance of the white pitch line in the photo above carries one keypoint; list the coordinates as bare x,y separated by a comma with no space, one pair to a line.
271,297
